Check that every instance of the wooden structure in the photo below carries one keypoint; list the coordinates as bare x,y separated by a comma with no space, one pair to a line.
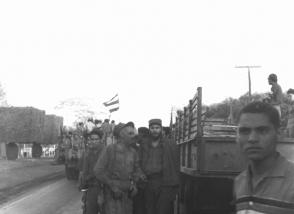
207,145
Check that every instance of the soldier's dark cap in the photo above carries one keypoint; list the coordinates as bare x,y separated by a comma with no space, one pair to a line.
96,131
131,124
155,122
118,128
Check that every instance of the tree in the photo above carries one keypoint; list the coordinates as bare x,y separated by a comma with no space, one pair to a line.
222,109
80,110
3,101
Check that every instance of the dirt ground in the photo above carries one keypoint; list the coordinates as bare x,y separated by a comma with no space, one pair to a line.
13,173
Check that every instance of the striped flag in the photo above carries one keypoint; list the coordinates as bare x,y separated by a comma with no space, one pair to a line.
112,104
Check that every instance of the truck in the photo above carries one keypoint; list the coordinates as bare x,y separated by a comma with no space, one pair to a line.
24,130
210,160
20,126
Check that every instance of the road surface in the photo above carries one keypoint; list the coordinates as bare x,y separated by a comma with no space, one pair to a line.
59,197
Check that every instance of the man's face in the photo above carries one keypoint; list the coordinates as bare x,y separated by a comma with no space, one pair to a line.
127,134
155,130
67,141
94,140
270,82
256,136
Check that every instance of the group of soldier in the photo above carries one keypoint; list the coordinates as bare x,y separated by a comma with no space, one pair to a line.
136,174
139,174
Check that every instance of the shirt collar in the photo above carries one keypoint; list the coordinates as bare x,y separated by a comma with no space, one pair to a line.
278,170
160,144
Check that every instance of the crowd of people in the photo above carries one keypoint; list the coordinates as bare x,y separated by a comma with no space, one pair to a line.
140,173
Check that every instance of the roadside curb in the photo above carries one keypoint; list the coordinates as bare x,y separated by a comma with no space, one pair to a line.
7,193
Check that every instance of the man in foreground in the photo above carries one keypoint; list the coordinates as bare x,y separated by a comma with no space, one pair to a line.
160,162
267,185
118,169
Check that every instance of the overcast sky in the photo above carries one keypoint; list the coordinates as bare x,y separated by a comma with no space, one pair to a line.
153,53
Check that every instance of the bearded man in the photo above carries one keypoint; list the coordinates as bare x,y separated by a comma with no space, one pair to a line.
159,160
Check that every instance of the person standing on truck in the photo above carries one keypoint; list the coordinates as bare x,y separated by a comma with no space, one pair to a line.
118,169
89,182
159,159
267,185
276,97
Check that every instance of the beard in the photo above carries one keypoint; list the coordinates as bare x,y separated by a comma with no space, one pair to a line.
155,137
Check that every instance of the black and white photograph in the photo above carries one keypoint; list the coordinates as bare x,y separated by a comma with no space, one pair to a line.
146,107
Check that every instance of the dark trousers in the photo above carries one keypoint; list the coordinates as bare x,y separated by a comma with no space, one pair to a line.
139,202
91,200
159,198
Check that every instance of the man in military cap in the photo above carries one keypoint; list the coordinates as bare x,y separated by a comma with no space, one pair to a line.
118,168
159,159
89,181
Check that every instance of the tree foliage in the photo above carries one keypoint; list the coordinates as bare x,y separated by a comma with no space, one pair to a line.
80,110
2,92
222,109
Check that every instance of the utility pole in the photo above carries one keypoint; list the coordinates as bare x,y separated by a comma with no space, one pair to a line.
249,78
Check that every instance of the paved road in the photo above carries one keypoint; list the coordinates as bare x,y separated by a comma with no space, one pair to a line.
59,197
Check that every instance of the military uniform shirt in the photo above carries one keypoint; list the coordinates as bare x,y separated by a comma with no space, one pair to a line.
153,162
